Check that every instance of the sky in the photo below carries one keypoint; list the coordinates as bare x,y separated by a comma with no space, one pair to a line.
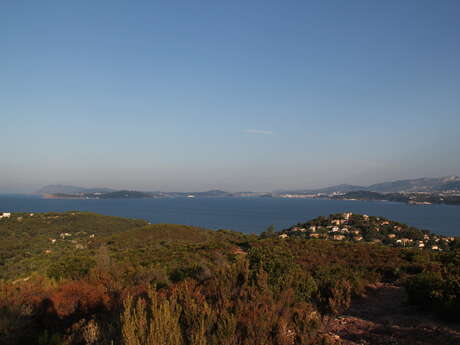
236,95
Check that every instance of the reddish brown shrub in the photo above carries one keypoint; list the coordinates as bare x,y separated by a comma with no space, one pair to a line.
80,298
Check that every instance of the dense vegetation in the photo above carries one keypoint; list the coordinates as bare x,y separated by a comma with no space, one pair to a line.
31,242
438,289
136,283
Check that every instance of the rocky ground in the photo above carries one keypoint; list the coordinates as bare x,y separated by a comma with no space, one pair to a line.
382,318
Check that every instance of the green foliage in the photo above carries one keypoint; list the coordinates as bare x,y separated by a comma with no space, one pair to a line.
31,243
49,339
276,261
71,267
173,284
181,273
269,232
438,290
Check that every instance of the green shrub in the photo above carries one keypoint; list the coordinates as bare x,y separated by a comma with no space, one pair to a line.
74,267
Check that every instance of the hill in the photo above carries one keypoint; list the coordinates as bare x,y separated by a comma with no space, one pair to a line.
364,228
426,185
407,197
441,184
417,185
79,278
32,243
65,189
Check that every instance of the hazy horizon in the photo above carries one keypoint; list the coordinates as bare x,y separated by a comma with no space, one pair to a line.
33,191
258,96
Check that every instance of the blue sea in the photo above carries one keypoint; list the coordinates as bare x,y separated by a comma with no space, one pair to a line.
248,215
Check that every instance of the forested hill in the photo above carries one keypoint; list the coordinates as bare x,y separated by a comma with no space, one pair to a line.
79,278
39,242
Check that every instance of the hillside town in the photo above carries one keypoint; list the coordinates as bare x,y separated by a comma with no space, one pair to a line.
364,228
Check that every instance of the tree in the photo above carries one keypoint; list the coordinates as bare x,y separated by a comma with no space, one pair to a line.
269,232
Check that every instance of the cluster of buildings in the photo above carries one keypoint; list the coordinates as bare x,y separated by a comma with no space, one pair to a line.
5,215
67,236
356,228
8,215
301,196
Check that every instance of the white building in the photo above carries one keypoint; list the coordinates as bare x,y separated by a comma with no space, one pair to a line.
347,215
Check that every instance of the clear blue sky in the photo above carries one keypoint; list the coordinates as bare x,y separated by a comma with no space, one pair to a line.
239,95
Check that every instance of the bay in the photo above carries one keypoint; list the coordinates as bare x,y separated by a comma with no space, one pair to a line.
248,215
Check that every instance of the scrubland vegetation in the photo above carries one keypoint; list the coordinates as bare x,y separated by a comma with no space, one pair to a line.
127,282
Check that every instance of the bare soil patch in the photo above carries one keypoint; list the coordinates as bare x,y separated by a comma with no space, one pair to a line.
383,318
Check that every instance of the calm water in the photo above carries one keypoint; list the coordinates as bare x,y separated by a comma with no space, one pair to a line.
250,215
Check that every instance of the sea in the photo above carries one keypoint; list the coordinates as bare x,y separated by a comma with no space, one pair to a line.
247,215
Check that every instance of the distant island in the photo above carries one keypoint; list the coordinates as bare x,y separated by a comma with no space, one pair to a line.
425,191
72,192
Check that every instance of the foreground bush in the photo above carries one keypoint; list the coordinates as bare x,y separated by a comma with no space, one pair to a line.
438,291
274,292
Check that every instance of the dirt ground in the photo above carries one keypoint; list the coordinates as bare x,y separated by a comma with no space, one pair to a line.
382,318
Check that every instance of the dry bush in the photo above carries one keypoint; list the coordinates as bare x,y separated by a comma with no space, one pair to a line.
79,298
91,332
151,320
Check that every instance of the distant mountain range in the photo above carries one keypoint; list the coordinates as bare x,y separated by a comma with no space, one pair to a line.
65,189
429,185
433,185
440,184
